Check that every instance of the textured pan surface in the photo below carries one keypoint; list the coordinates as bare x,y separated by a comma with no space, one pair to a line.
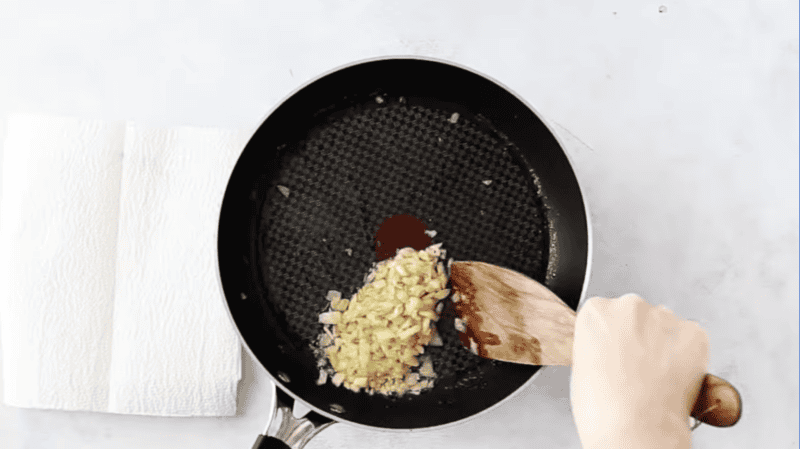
376,160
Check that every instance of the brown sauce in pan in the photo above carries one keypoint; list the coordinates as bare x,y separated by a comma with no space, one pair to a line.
400,231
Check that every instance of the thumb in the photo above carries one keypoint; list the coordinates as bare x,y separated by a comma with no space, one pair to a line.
695,346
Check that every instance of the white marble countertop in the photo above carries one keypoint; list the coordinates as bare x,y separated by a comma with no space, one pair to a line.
681,119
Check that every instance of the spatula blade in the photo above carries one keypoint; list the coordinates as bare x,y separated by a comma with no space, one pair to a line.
510,317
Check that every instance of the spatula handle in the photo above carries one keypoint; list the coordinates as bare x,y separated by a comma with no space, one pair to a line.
718,403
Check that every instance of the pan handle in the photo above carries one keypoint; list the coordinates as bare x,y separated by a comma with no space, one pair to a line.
291,432
265,442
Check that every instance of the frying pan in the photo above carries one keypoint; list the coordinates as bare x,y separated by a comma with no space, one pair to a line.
362,143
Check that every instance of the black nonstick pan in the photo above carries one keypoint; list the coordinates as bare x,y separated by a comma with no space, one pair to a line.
359,145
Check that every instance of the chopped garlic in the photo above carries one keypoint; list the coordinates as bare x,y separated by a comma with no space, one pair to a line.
330,317
459,325
473,347
436,340
323,377
427,368
378,334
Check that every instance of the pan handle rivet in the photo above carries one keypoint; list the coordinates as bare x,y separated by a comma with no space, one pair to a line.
244,296
336,408
284,377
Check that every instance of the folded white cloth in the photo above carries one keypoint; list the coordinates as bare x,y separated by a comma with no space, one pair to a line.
109,299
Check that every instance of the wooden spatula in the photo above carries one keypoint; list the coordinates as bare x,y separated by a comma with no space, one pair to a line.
508,316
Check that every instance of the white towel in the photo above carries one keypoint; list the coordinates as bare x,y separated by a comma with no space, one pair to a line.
109,299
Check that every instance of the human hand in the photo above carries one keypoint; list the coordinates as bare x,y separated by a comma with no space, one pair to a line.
636,373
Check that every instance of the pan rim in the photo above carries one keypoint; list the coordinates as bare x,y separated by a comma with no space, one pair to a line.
529,382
